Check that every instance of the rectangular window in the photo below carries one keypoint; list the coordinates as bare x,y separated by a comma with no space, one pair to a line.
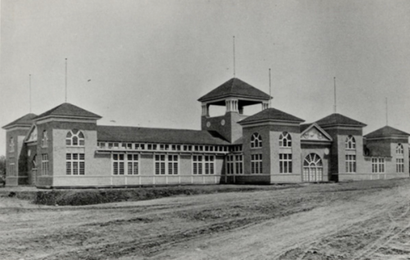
44,164
377,164
256,163
350,163
399,164
132,164
229,164
238,164
118,164
197,164
166,164
209,164
285,163
75,164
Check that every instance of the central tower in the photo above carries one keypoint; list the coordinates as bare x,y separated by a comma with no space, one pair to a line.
234,94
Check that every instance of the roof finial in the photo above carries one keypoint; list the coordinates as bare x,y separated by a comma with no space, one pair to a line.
387,113
270,89
29,86
234,56
334,82
65,80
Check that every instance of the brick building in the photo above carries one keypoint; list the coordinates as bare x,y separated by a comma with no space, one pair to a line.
65,147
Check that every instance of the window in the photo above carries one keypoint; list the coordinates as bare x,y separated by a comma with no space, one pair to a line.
34,162
172,164
350,163
209,164
399,149
118,164
125,164
238,164
285,140
203,164
350,142
377,164
399,164
75,164
229,164
285,163
197,164
75,138
312,168
256,163
44,164
166,164
132,164
44,140
256,141
11,145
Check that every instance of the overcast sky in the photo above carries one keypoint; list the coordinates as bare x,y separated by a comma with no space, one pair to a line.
145,63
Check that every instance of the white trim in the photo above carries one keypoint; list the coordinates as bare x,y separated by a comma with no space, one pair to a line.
65,119
321,130
276,122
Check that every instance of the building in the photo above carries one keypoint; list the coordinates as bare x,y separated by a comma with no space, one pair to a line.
65,147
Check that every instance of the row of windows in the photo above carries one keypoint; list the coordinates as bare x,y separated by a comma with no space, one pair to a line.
285,140
167,147
234,164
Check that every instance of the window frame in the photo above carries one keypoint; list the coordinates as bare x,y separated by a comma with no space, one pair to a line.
350,143
75,164
285,140
350,160
256,141
285,163
256,163
76,135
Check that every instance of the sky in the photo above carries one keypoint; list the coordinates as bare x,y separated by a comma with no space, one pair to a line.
145,63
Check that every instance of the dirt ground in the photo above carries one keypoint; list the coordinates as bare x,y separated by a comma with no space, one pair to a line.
357,220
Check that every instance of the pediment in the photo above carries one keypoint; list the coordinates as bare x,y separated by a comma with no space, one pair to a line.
315,133
32,136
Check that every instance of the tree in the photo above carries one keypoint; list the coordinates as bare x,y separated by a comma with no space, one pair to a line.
2,165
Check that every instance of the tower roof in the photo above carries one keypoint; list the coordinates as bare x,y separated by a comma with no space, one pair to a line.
337,119
68,110
235,88
271,115
24,121
387,131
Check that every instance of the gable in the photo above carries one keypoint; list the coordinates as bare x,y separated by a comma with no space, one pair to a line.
32,136
315,133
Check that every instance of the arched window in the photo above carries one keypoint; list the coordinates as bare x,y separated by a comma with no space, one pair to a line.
350,142
11,144
285,140
399,149
75,138
44,139
256,141
312,168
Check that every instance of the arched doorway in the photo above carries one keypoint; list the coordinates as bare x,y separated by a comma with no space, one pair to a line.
312,168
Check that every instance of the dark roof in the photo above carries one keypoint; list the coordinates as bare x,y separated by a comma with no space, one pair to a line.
26,120
338,120
69,110
271,114
158,135
303,127
387,131
235,88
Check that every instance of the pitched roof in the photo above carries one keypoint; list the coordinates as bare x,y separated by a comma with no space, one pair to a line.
387,131
158,135
25,120
235,88
273,115
320,135
337,119
69,110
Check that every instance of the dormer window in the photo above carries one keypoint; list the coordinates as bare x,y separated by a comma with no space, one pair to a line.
256,141
75,138
285,140
350,142
44,139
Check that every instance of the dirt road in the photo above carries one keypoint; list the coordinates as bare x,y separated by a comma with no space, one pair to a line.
361,220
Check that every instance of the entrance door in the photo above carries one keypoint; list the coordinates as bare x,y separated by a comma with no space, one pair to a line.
312,168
